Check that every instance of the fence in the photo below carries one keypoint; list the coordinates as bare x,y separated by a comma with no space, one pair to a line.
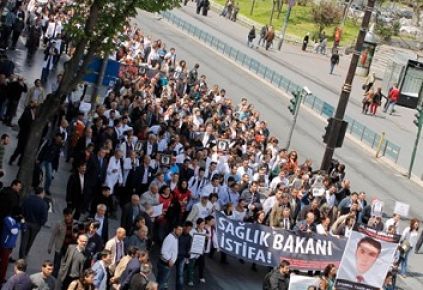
355,128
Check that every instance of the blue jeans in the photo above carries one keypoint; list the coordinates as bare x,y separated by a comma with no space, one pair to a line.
404,263
48,171
180,265
163,275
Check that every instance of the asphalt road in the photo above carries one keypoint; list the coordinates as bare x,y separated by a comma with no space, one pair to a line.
366,173
312,70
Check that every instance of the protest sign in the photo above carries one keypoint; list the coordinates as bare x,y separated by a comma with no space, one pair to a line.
365,262
298,282
157,210
401,208
198,244
262,245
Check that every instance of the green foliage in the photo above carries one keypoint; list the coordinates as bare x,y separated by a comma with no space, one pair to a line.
300,21
108,18
384,31
396,27
326,13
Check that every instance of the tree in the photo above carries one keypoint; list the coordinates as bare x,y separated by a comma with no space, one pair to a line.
326,13
93,29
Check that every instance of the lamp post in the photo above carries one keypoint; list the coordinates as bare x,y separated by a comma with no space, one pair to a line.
367,53
335,130
291,3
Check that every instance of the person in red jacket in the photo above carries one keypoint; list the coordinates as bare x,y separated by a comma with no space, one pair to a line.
393,97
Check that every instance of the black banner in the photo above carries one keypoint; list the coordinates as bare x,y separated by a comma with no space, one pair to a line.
265,246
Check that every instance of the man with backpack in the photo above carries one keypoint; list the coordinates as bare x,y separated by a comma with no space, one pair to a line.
278,278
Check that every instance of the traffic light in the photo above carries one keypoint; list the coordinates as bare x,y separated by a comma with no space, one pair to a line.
419,117
327,131
294,102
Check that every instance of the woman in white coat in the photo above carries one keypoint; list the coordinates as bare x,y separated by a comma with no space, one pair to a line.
114,171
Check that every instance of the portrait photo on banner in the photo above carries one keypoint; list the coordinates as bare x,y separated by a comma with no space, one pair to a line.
365,262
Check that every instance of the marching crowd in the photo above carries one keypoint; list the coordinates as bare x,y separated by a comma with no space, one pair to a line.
166,150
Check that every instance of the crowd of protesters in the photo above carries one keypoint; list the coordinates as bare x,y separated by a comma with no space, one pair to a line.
166,150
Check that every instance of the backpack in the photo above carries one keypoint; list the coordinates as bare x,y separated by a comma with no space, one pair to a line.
266,280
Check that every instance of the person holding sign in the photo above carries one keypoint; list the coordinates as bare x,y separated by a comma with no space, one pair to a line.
198,248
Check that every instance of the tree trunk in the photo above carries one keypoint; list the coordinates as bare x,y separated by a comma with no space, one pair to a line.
99,81
73,74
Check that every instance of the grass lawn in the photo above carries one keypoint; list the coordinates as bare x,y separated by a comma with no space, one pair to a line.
300,21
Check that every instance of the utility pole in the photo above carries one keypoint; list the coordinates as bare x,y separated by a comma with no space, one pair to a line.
294,108
419,123
336,131
285,24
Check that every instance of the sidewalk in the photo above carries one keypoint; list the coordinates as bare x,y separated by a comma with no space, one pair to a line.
312,70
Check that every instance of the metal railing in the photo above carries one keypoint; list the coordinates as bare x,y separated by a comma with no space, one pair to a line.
355,128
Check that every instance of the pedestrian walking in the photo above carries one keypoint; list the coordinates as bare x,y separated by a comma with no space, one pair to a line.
369,81
367,101
251,36
409,239
18,26
15,87
334,60
73,263
305,41
35,212
11,227
263,32
377,100
168,256
20,279
393,97
270,35
44,280
48,159
49,55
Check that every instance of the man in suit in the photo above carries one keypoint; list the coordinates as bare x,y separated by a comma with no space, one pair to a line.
130,212
101,217
116,246
96,170
77,189
308,224
100,270
142,177
72,266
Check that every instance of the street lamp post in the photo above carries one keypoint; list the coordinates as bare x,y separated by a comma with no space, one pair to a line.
285,24
335,129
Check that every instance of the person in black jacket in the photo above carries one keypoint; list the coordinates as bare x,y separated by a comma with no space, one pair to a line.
96,170
279,277
130,212
184,247
15,88
28,116
10,199
48,159
35,212
77,189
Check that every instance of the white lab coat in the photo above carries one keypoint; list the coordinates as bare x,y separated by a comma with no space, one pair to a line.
114,173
